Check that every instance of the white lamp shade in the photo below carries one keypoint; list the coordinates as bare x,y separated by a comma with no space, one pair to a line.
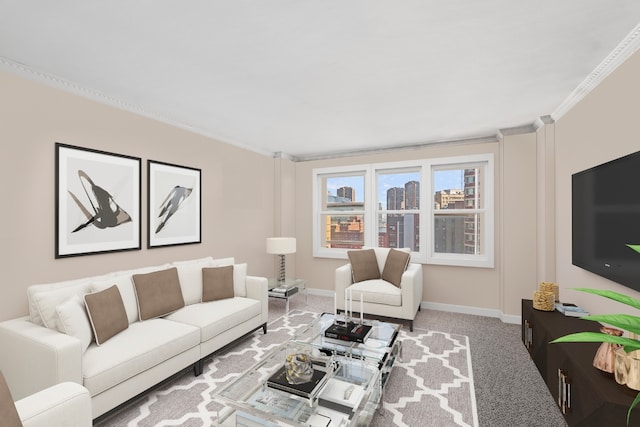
281,245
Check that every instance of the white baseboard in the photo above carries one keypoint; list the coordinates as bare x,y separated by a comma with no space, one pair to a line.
478,311
463,309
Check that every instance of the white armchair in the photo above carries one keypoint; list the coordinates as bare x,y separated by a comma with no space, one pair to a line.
65,404
380,295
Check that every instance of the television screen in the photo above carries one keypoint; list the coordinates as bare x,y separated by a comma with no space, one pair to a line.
606,217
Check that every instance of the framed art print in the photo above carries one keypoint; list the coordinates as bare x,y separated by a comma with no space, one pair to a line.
97,201
174,204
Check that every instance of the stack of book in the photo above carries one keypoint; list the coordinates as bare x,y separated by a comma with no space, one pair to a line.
283,292
307,390
571,310
351,331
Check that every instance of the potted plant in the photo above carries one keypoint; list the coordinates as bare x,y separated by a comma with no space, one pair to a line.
625,322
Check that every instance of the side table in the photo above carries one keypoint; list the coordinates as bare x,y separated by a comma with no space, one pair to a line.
287,289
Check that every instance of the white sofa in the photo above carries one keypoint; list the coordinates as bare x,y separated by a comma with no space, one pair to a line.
143,354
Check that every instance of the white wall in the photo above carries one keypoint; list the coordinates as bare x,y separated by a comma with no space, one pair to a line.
237,188
602,127
478,288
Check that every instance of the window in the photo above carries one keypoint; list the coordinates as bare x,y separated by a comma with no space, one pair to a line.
341,221
461,214
398,208
379,205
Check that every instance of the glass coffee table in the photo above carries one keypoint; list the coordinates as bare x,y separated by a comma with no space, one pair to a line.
381,346
349,395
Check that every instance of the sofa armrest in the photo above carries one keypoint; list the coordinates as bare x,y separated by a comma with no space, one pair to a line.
257,288
35,357
343,279
67,404
411,285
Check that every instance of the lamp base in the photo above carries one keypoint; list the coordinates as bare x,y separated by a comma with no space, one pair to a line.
281,275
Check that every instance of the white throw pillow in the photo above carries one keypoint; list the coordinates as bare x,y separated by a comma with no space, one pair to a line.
34,313
190,276
72,319
47,301
240,280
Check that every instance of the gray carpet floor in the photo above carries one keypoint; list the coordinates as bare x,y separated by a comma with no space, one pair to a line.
509,389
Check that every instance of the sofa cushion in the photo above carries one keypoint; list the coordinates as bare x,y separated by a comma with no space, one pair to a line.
190,276
125,285
72,319
141,347
240,280
376,291
46,300
217,283
79,286
107,314
364,265
395,266
10,417
215,317
158,293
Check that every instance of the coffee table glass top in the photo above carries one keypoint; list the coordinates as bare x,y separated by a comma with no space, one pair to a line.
349,396
376,347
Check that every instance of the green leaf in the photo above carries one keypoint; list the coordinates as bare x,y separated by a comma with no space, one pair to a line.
623,321
633,405
634,247
630,344
624,299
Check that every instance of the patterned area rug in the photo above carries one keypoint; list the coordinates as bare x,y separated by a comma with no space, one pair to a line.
431,385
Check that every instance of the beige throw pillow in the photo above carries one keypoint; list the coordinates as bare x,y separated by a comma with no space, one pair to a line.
107,314
395,266
364,265
158,293
8,413
217,283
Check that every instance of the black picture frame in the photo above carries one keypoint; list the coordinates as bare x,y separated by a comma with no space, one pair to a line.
97,201
174,204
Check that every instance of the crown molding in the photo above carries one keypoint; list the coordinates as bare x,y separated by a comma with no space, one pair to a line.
47,79
394,148
627,47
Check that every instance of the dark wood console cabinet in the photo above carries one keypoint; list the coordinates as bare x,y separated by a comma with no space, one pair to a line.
585,395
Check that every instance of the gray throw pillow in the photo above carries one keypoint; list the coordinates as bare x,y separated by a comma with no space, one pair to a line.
158,293
106,313
8,414
217,283
395,266
364,265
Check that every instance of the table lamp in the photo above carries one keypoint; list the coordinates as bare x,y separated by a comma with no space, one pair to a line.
281,246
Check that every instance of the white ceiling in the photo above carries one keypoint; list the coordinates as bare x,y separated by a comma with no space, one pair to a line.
313,78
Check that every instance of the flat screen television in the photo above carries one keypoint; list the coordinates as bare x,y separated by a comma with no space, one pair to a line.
606,217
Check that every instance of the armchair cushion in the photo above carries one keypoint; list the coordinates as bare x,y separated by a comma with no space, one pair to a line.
395,265
376,291
10,417
364,265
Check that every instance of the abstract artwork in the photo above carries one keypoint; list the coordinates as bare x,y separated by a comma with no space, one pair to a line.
174,204
97,201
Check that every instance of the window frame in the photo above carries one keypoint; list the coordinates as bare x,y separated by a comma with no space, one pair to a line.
427,213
